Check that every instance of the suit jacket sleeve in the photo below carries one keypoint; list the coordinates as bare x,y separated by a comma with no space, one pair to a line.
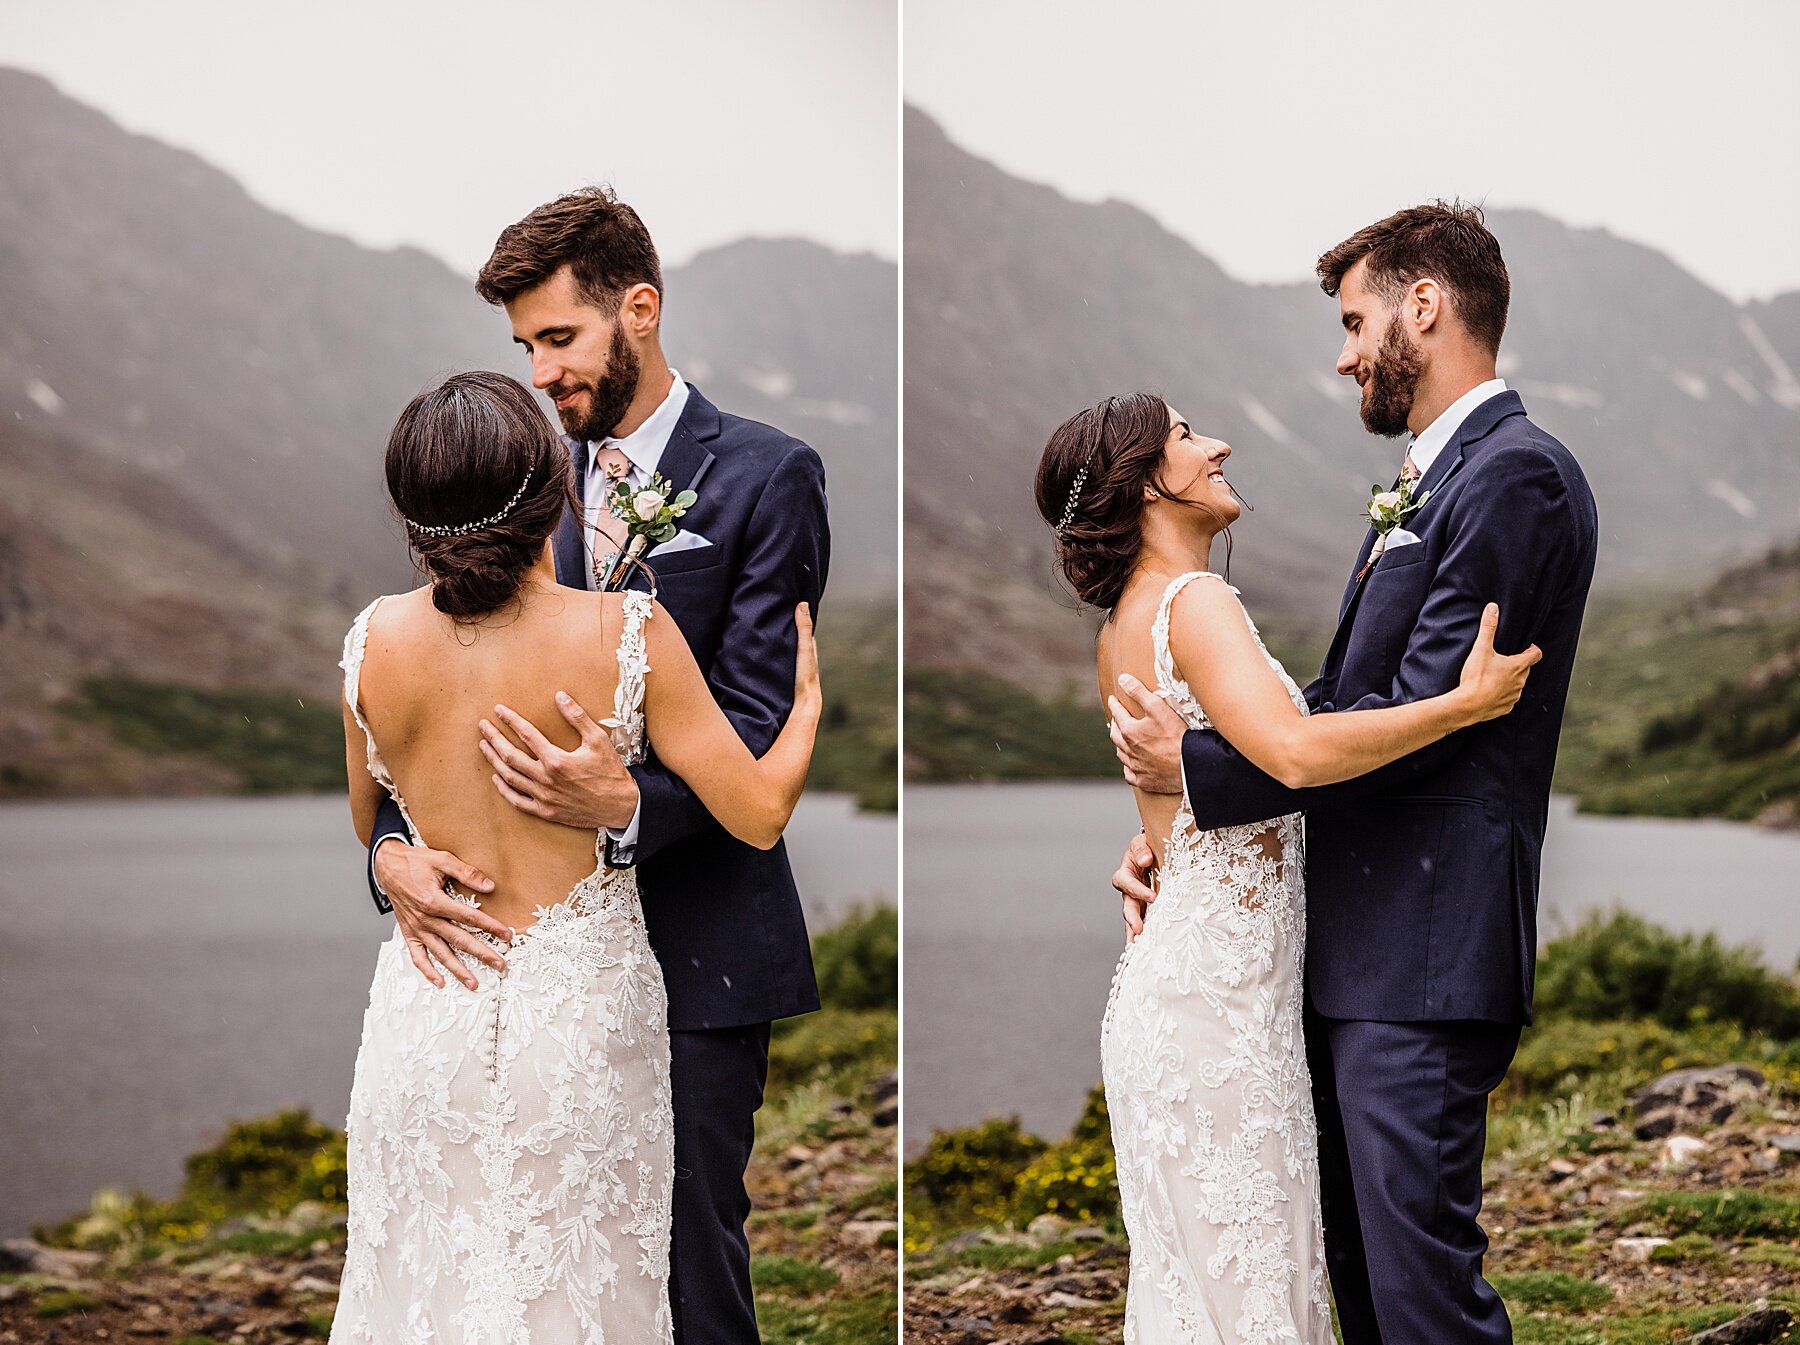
388,821
1512,541
787,549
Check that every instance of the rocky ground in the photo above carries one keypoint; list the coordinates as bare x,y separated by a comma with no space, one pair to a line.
1610,1239
823,1237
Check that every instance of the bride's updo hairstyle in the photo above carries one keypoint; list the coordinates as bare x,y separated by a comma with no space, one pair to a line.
458,463
1090,490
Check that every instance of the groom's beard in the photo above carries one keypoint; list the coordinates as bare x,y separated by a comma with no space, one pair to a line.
1393,381
610,397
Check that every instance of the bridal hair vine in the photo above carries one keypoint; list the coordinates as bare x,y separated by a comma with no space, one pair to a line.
434,530
1068,514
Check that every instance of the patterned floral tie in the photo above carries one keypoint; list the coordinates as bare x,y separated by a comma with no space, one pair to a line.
1408,470
609,465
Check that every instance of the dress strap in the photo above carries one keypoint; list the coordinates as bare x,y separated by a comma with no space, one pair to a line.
356,642
627,719
1167,683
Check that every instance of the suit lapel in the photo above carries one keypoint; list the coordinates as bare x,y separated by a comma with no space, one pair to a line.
1476,426
685,458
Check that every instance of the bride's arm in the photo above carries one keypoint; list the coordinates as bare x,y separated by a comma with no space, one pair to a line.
751,798
1241,694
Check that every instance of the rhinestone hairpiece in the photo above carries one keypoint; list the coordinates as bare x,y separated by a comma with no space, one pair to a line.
1068,514
435,530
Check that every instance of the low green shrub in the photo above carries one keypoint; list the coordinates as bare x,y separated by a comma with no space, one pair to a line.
1616,966
858,961
972,1171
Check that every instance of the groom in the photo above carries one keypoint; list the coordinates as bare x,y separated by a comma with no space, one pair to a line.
581,283
1422,877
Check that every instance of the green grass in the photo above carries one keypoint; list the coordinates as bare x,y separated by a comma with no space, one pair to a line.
788,1274
1718,1214
1551,1291
63,1302
872,1319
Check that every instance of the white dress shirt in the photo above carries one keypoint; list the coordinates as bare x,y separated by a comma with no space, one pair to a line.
644,446
1441,431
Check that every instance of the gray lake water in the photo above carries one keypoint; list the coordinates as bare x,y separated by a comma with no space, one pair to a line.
167,966
1012,929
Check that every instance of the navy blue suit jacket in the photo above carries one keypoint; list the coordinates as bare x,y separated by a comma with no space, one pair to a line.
724,917
1422,877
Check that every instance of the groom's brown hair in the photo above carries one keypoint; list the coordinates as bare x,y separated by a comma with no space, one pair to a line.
592,232
1445,241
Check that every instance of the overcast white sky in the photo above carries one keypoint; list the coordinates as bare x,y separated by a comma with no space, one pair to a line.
1265,133
438,122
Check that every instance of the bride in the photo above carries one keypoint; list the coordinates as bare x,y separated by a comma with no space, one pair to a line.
1201,1045
511,1148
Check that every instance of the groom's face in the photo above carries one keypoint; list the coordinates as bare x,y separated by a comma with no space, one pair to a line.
580,355
1379,353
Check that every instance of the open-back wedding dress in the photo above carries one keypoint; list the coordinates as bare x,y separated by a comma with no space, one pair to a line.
1206,1079
511,1149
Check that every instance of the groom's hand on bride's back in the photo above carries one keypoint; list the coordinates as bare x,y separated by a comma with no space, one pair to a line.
430,919
588,787
1132,882
1146,733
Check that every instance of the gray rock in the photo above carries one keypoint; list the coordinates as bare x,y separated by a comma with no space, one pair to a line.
1761,1327
24,1256
1787,1144
869,1232
1047,1228
1695,1099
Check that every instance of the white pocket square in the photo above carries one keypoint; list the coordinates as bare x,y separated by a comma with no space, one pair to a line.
1400,537
681,541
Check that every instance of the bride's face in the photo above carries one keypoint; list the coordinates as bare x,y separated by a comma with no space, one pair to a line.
1194,469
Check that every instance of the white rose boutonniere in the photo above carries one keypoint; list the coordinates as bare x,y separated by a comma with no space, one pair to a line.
649,516
1387,510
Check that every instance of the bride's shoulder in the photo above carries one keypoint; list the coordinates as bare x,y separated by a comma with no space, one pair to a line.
1201,595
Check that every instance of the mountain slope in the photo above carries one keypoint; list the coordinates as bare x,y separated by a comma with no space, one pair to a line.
1023,306
195,393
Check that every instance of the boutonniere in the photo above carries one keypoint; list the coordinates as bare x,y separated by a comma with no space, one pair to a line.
1387,510
649,513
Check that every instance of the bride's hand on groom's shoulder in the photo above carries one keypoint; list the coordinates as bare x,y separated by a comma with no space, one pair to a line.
1146,733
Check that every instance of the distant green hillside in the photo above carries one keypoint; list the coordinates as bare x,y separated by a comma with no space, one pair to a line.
1684,705
1690,706
256,741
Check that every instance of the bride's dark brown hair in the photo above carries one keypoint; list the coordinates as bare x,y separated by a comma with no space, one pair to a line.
457,455
1120,442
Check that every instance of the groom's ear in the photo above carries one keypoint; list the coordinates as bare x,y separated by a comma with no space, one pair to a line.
641,310
1424,305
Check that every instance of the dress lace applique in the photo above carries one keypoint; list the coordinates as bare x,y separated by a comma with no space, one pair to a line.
1206,1080
511,1149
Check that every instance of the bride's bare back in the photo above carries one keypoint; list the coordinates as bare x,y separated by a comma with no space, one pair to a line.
1125,647
427,682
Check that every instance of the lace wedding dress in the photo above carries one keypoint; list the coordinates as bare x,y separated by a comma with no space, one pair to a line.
511,1150
1206,1080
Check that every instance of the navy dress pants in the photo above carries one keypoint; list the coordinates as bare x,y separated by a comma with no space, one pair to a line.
717,1076
1402,1111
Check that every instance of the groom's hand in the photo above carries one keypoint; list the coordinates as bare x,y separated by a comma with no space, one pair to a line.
1132,882
1149,741
587,788
430,919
